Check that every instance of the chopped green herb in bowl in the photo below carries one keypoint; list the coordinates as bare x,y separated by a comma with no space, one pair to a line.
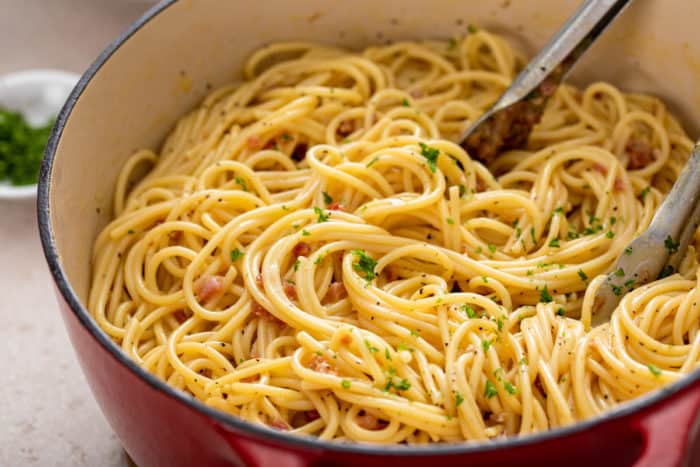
21,148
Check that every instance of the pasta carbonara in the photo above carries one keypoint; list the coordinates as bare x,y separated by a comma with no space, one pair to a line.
313,251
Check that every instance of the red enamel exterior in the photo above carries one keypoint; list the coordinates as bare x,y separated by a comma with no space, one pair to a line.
158,430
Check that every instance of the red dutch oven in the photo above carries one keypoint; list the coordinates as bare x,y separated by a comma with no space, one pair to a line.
165,63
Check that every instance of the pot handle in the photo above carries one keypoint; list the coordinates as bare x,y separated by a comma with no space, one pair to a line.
670,432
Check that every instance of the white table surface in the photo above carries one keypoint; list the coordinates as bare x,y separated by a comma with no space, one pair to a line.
47,413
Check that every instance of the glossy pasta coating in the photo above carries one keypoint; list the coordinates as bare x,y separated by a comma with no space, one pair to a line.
312,250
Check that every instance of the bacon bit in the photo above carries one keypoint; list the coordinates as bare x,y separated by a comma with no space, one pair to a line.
336,206
321,365
391,275
158,222
176,235
209,286
600,168
262,313
346,340
312,415
548,87
299,152
416,93
497,418
597,95
480,185
336,291
259,281
180,316
290,291
254,142
640,154
301,249
270,143
345,128
249,379
619,184
280,425
369,421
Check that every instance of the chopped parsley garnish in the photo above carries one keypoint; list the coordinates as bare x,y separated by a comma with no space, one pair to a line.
322,216
499,324
236,255
130,231
617,290
666,271
405,102
328,199
654,370
387,355
296,264
510,388
610,234
613,220
286,137
472,29
305,233
561,311
486,344
582,275
403,346
490,390
403,385
345,383
371,163
670,245
559,210
554,243
371,348
452,43
365,265
628,251
523,361
458,399
492,247
545,297
620,272
644,193
241,181
415,332
431,154
629,284
469,311
532,234
450,221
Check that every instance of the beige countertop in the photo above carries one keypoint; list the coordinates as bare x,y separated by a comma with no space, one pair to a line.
47,413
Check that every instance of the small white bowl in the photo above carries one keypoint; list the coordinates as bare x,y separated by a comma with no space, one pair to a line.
38,95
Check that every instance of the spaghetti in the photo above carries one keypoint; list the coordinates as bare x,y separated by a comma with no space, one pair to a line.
312,251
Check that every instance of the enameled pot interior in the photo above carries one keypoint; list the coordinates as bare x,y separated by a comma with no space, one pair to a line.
164,65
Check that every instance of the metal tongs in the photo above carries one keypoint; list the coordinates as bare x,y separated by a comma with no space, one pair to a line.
508,123
660,249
